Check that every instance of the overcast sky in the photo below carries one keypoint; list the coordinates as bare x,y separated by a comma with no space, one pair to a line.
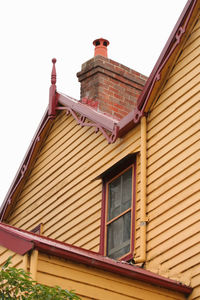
35,31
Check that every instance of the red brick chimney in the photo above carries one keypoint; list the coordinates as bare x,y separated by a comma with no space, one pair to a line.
108,86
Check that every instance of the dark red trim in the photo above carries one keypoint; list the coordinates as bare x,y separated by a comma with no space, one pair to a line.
101,121
103,220
129,121
105,121
37,229
52,91
169,48
13,242
23,169
133,211
52,101
78,255
81,111
107,176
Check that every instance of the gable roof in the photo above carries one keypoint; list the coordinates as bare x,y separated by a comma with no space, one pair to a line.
162,67
87,116
21,242
81,113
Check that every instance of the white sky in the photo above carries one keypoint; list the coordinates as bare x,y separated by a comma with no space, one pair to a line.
35,31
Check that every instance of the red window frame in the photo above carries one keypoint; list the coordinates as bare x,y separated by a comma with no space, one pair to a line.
38,229
111,174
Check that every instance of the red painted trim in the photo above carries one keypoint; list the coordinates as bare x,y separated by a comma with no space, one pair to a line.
133,211
117,129
129,121
103,219
111,173
101,121
120,128
52,101
52,91
169,48
13,242
23,169
37,229
78,255
104,120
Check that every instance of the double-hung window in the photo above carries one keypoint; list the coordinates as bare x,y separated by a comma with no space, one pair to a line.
118,210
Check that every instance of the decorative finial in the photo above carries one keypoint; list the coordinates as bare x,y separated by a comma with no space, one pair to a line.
53,73
52,92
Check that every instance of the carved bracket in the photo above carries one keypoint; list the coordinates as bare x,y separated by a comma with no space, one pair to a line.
25,166
81,120
175,42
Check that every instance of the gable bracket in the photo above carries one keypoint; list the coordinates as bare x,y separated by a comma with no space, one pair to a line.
81,120
157,77
169,49
24,167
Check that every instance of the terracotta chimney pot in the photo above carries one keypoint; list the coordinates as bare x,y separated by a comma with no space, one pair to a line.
100,47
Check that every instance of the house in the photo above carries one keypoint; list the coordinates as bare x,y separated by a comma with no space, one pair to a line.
107,198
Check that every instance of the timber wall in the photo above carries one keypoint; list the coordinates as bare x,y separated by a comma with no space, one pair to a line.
91,283
16,259
173,190
62,194
61,191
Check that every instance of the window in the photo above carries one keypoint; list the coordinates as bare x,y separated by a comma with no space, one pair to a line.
38,229
117,228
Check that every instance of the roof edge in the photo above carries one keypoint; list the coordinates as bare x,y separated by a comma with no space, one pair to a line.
18,245
81,111
23,169
105,124
132,119
76,254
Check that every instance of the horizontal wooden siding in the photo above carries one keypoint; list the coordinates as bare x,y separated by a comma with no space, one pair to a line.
173,183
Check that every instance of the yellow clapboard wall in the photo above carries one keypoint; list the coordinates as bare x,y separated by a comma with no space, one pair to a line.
92,283
62,194
173,174
16,259
61,191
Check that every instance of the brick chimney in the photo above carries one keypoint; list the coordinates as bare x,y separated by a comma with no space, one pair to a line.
108,86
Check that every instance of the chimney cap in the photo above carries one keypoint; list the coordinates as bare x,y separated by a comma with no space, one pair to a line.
101,41
100,47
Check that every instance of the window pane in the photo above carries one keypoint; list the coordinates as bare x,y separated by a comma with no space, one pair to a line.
120,194
120,253
119,232
126,190
114,201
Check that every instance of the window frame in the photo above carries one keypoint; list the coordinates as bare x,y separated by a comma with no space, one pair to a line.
38,229
115,171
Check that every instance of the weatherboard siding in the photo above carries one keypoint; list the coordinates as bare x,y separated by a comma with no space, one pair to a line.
63,194
92,283
173,173
16,259
61,191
